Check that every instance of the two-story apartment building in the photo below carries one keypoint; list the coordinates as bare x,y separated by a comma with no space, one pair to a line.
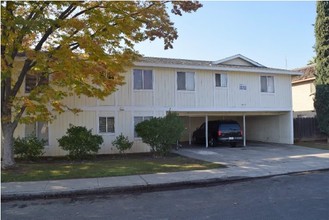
238,88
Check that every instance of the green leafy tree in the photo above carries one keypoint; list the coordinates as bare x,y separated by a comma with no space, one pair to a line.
321,102
81,46
161,133
80,142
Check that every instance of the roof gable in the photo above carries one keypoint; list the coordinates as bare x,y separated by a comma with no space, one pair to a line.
238,60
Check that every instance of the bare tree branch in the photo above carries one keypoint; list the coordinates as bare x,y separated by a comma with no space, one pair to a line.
84,11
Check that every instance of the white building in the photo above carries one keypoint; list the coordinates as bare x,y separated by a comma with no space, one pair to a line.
238,88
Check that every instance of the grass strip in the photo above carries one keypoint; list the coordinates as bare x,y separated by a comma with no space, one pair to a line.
104,167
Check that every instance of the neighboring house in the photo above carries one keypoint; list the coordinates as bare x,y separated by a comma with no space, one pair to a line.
303,91
238,88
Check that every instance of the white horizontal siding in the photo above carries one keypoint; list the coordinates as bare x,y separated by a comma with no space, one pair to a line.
206,94
143,98
126,103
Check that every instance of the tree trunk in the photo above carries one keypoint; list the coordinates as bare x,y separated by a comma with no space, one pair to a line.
8,146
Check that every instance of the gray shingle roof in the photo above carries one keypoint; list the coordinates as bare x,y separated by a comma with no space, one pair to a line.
202,63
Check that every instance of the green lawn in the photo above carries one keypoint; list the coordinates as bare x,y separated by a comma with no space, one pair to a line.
102,167
318,145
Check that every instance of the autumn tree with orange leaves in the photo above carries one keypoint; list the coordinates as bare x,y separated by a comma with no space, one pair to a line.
80,48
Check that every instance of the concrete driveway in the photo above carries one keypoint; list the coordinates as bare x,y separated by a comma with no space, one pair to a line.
262,156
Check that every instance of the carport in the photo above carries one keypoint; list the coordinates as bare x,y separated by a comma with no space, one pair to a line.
271,126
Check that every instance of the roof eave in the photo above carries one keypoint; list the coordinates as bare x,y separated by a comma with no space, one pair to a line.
303,80
218,68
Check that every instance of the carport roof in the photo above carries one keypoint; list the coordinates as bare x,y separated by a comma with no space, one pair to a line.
229,113
211,65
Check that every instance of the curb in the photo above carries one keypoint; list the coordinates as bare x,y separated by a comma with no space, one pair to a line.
146,188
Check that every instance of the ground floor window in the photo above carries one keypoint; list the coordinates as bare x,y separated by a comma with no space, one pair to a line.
39,129
139,119
106,125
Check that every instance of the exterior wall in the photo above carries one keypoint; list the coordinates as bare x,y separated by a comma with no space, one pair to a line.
207,95
303,95
274,128
127,103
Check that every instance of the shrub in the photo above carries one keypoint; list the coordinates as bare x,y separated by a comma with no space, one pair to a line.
161,133
321,104
29,148
80,142
122,143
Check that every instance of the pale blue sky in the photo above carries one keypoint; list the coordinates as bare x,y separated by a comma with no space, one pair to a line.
275,34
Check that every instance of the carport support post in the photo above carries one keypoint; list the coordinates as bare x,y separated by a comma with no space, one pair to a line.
206,130
189,131
244,130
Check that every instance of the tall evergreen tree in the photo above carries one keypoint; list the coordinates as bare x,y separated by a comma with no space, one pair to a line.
322,42
321,102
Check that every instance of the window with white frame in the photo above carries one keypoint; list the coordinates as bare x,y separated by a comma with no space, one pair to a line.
267,84
221,80
38,129
185,81
106,124
143,79
139,119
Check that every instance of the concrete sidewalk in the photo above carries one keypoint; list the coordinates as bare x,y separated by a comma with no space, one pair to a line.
240,167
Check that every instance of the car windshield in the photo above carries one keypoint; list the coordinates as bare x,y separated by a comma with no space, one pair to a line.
231,127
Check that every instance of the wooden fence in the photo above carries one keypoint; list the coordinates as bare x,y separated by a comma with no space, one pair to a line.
307,129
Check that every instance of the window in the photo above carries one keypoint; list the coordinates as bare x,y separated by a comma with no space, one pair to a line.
185,81
143,79
221,80
32,80
106,125
138,120
38,129
267,84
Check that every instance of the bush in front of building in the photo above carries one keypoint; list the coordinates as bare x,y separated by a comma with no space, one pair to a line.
80,142
29,148
161,133
122,143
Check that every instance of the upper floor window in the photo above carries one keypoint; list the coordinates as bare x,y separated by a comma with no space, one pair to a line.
106,125
221,80
185,81
267,84
143,79
31,81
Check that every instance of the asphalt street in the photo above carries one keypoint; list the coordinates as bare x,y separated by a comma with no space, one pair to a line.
302,196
